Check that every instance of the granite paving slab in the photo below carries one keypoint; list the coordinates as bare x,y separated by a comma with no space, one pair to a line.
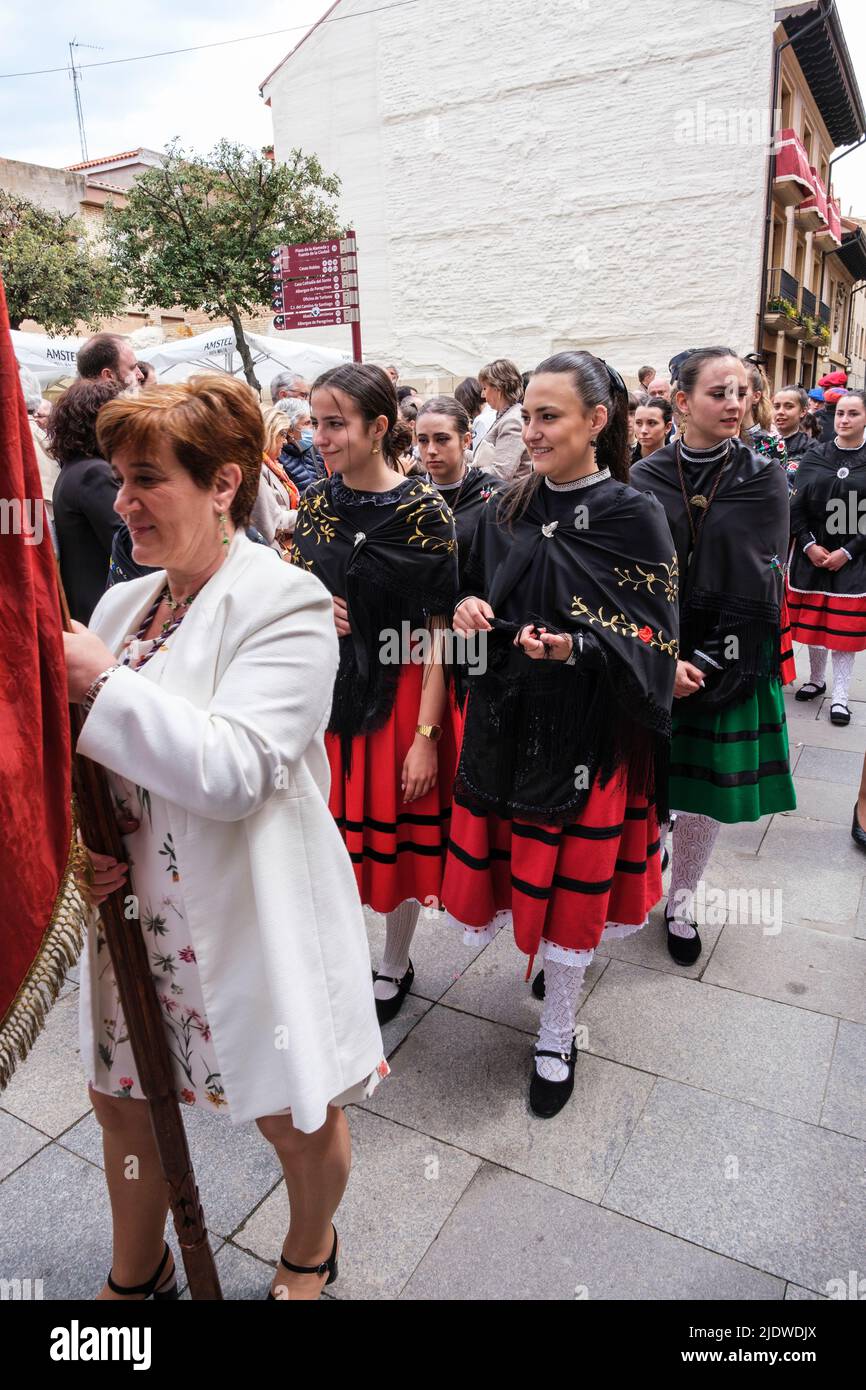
402,1188
48,1090
812,969
512,1238
18,1142
762,1188
845,1101
235,1166
56,1225
465,1081
825,801
495,985
792,888
753,1049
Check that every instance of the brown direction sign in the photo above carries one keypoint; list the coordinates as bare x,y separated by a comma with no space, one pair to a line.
314,257
314,316
339,288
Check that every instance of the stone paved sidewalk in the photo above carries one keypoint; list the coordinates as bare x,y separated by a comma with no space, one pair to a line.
715,1146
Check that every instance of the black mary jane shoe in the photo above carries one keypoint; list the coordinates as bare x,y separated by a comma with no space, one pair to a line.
546,1098
538,985
858,834
150,1289
329,1265
684,949
840,714
810,691
386,1009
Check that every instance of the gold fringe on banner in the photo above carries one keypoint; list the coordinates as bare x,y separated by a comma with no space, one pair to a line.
59,950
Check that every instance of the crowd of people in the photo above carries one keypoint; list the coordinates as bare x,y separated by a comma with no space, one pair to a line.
525,650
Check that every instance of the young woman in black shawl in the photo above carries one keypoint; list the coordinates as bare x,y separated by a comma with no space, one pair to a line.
444,435
573,579
728,513
827,577
385,547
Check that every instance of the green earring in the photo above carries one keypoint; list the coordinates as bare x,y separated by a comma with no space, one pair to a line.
224,533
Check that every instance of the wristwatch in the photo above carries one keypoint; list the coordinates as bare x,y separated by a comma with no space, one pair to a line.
431,731
93,689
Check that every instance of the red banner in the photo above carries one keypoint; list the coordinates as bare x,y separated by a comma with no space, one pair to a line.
41,918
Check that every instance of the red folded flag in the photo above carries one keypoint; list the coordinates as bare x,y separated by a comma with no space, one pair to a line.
41,915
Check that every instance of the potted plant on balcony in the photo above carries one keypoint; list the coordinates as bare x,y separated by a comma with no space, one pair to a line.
780,313
811,326
823,335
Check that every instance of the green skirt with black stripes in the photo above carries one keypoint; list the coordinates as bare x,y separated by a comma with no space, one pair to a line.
733,765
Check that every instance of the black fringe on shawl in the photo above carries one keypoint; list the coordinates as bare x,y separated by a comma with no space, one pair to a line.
526,738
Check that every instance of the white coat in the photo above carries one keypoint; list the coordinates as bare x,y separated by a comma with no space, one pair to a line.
231,737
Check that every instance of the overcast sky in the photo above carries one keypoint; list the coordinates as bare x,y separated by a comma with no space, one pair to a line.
197,96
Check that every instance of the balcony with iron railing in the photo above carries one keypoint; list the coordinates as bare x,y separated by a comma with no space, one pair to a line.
795,311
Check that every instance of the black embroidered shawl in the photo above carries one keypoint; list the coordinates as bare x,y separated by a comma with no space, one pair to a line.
393,558
599,561
466,502
826,508
734,583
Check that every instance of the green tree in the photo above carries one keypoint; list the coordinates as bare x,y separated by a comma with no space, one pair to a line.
52,273
198,231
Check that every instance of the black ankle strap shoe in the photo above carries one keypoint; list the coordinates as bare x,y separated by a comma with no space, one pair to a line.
546,1098
150,1288
328,1266
683,949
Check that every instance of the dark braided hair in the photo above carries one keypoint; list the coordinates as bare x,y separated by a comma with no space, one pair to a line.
373,392
595,383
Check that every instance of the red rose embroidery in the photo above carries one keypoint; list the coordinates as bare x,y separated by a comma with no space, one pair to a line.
645,634
127,1081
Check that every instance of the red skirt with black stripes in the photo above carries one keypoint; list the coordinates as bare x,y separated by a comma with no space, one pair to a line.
787,665
836,621
562,884
397,850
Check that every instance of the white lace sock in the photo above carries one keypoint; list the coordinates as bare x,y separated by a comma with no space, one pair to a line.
817,664
562,986
399,929
843,670
693,840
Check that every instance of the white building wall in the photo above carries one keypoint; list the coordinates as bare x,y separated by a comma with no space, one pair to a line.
560,176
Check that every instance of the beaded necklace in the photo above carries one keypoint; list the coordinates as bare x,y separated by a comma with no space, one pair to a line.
179,607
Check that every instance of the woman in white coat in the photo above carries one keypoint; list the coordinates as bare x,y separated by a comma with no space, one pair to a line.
207,686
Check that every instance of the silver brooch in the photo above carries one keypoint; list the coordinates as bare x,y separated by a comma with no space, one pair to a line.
549,529
360,536
842,473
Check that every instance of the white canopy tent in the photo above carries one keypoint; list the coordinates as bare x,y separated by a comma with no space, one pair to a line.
51,359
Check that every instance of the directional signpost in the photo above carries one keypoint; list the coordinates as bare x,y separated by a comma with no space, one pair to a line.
315,285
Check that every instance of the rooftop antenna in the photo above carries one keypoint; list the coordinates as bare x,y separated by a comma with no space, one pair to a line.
75,80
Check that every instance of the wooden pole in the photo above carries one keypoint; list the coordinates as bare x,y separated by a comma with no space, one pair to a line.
141,1010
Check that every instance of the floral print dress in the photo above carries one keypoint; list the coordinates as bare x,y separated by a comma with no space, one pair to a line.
157,883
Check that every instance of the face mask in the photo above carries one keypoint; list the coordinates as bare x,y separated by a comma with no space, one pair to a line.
306,438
